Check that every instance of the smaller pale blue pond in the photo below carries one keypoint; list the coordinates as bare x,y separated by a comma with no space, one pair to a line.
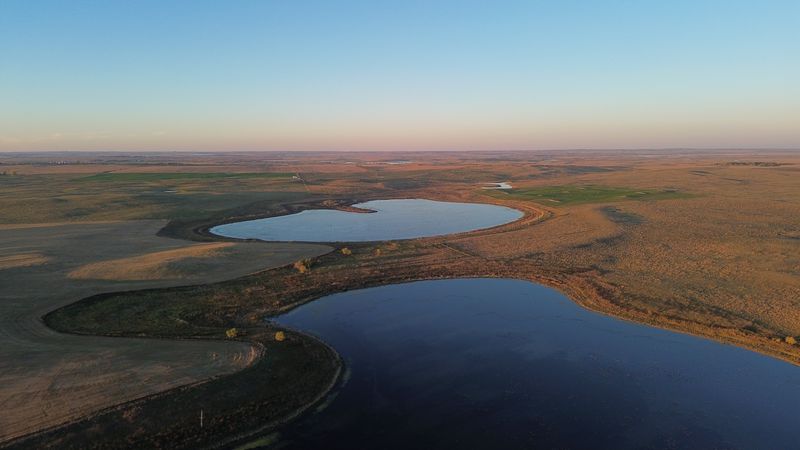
392,220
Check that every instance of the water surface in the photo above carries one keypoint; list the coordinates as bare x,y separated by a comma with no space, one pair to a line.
492,363
392,220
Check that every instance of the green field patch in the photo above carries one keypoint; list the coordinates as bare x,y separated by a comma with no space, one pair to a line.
159,176
576,194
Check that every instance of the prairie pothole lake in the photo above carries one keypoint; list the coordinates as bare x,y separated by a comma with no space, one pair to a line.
496,363
392,220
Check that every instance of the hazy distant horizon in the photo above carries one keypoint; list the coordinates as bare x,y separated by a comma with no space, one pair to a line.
400,152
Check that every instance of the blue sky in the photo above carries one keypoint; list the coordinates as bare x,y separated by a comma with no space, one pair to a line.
439,75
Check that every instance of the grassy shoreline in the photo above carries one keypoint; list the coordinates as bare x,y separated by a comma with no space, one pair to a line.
285,380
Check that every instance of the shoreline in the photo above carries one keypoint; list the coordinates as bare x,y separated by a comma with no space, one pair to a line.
241,440
533,214
585,289
54,437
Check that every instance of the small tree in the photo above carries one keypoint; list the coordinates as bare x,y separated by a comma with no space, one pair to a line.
790,340
301,266
280,336
232,333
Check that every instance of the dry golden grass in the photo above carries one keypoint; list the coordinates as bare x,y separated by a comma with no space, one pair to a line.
724,263
151,266
22,260
580,225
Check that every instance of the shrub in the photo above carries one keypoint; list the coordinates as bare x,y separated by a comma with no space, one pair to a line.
232,333
301,266
790,340
280,336
346,251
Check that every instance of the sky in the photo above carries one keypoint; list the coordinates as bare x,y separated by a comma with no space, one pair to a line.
398,75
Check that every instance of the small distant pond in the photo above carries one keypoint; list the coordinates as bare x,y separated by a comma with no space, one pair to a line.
392,220
493,363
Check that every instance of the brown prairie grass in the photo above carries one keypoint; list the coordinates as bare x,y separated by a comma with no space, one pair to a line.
22,260
151,266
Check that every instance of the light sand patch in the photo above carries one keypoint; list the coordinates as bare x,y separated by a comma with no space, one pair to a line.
22,260
152,266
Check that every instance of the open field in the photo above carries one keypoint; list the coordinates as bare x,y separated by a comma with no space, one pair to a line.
564,195
176,264
702,243
158,176
47,378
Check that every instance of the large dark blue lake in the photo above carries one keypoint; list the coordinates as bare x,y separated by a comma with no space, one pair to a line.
392,220
496,364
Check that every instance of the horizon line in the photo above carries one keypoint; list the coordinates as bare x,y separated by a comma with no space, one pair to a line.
575,149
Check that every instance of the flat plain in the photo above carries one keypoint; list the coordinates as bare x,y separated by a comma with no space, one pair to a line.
48,378
701,242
